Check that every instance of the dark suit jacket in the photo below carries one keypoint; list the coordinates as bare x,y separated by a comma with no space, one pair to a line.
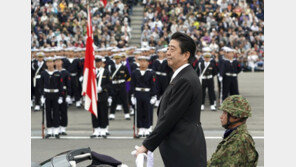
178,131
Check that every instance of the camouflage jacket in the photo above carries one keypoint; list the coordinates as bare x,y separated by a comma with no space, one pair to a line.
238,149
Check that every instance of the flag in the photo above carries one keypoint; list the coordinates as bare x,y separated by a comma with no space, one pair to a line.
128,83
104,2
89,89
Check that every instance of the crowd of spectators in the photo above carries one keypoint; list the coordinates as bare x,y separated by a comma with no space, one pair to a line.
62,23
214,23
238,24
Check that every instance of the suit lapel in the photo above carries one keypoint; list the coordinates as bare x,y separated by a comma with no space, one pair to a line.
166,94
180,74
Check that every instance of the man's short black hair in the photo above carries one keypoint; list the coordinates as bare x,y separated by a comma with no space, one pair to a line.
98,60
186,43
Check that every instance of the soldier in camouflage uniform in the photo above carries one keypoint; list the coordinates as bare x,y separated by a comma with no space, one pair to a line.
237,147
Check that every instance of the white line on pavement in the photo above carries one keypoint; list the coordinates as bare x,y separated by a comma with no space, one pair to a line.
128,137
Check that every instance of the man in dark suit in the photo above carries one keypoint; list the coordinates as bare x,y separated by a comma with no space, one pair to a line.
178,131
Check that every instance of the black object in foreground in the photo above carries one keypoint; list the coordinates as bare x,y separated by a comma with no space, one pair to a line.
72,157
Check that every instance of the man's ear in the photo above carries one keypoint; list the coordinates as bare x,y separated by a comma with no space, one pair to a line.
187,55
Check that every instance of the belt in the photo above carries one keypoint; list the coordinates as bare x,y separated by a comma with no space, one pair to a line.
142,89
118,81
160,73
207,77
38,76
231,74
51,90
73,74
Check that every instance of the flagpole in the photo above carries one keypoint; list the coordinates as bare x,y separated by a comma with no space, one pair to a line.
89,81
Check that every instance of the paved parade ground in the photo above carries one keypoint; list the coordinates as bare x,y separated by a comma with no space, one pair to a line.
120,143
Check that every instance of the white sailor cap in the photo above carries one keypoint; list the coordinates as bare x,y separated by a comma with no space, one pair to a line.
77,49
144,49
56,49
123,49
227,49
206,49
100,49
67,49
115,50
109,48
162,50
46,49
137,52
58,57
34,50
49,59
40,54
131,47
144,58
98,57
123,54
207,54
116,56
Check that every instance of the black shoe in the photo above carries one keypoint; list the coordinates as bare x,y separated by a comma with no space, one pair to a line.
107,133
57,136
63,134
48,136
93,136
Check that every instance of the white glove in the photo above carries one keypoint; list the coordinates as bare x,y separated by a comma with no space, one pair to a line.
141,159
60,100
153,100
133,99
42,100
220,79
68,99
99,90
81,78
109,101
135,151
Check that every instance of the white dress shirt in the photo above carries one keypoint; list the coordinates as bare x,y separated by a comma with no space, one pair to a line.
160,61
206,63
40,63
142,72
118,65
178,70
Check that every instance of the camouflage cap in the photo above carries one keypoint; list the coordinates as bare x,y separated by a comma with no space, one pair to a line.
237,106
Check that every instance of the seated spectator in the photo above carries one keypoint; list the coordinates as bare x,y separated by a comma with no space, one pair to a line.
63,23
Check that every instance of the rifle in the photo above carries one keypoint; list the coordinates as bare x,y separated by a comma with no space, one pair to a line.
221,89
135,122
43,127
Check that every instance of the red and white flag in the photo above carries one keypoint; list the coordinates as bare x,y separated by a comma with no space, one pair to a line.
89,89
104,2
